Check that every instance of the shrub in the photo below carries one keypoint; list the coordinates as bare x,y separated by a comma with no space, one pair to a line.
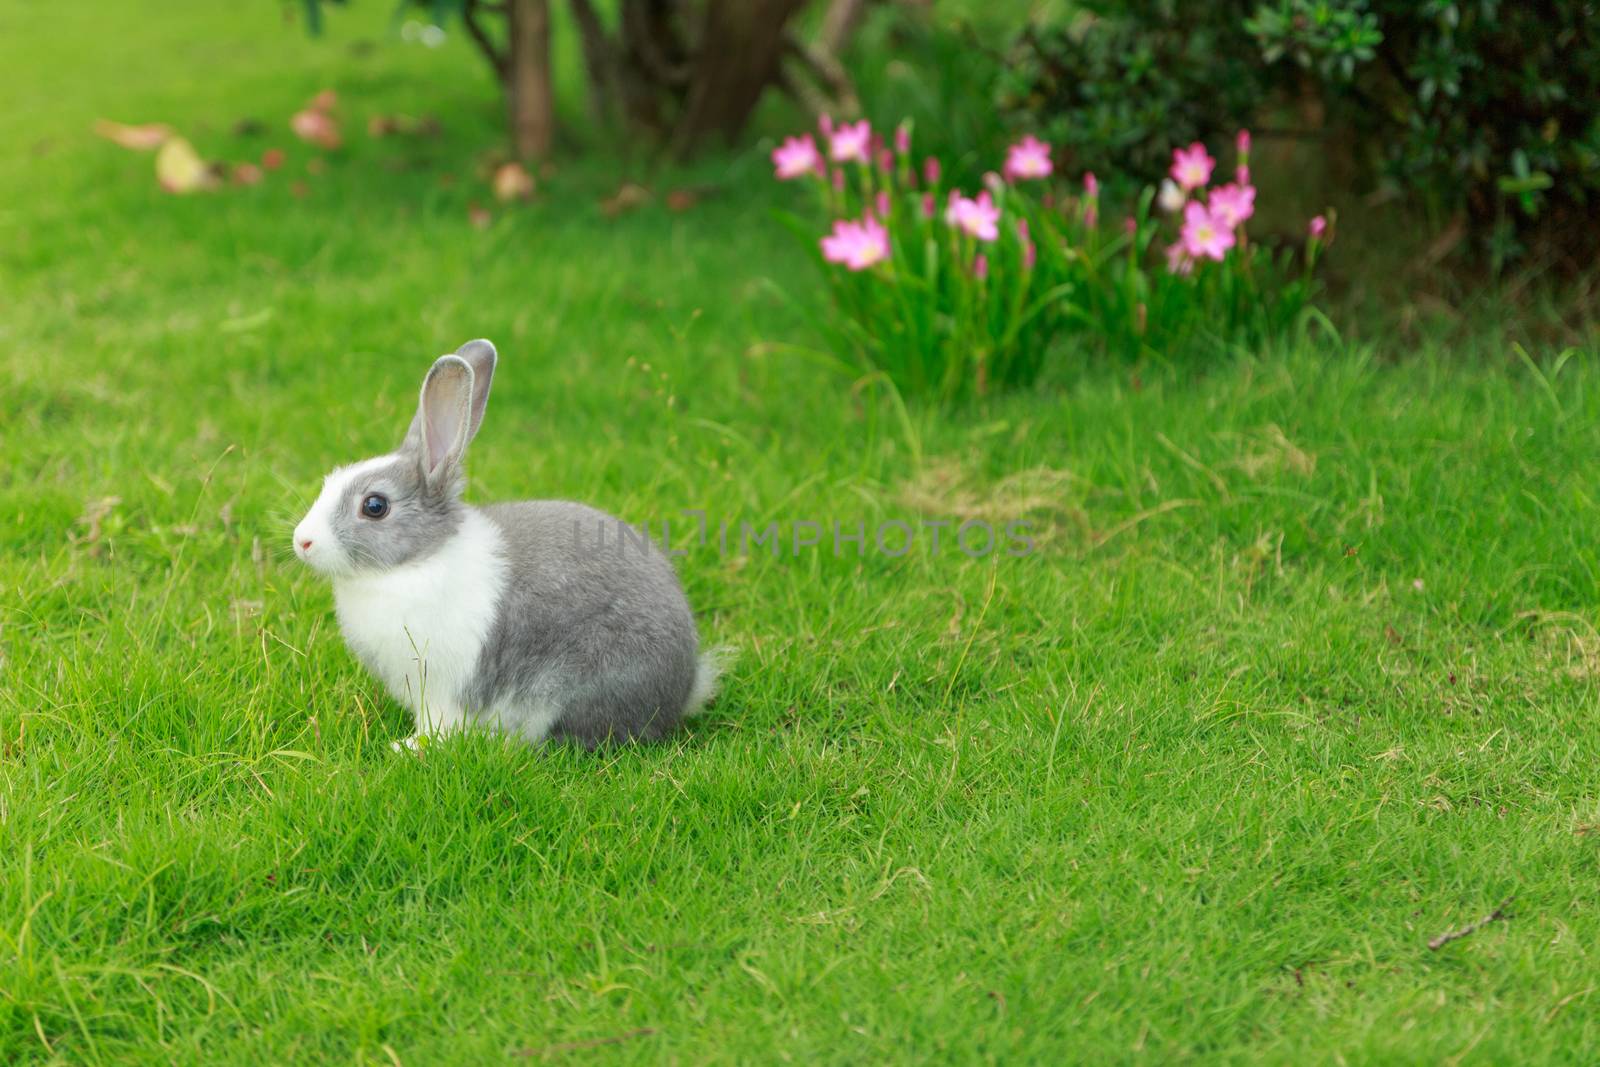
1121,81
950,293
1488,109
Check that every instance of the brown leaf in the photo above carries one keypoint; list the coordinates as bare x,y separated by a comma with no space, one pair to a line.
139,138
324,101
682,199
512,182
626,198
94,514
272,159
246,174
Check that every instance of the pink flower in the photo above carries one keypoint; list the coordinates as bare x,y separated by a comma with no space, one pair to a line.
1191,167
796,157
1091,196
838,180
1029,255
881,202
927,205
1231,204
978,217
1204,235
1241,174
980,266
850,142
858,244
1178,260
885,160
902,138
1130,225
930,170
825,124
1028,159
1318,227
1242,143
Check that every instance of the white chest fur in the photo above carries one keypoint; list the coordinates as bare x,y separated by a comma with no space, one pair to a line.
420,627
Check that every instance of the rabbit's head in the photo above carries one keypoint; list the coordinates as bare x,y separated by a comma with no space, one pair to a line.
383,512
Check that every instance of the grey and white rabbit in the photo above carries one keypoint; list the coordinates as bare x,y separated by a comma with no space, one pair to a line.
541,618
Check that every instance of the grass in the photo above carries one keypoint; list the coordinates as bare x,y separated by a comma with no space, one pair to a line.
1302,675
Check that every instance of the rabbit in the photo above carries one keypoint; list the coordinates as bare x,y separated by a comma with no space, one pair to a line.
545,619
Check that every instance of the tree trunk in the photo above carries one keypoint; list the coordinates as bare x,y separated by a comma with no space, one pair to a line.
600,63
529,98
741,44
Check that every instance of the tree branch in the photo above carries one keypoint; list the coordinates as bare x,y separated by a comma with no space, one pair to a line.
639,33
1498,915
827,70
839,23
469,17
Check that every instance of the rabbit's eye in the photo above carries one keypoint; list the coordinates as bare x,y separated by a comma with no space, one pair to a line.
375,506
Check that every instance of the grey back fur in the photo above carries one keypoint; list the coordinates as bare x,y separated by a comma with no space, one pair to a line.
593,621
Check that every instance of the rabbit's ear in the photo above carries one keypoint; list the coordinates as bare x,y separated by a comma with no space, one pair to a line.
480,356
440,432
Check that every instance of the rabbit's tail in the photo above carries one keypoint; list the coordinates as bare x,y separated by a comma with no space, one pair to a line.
707,673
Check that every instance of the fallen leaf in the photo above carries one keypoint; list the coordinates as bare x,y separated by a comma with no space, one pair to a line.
272,159
479,215
512,182
316,127
324,101
180,169
682,199
626,198
139,138
246,174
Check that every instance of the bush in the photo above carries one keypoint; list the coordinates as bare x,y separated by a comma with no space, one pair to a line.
1487,109
951,294
1120,82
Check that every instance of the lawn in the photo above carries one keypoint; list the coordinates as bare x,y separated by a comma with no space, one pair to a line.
1301,675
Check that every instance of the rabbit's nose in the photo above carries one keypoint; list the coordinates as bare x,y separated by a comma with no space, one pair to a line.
305,546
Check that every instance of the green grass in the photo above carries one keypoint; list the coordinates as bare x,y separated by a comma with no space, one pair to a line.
1303,674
